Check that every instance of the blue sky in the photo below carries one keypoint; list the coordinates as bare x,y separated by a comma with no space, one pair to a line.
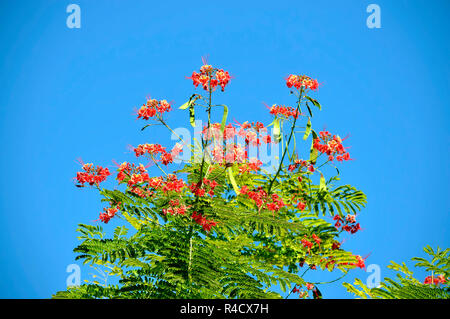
70,93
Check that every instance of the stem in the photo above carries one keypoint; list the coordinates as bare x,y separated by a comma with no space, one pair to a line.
199,182
298,110
296,285
156,163
176,135
207,130
329,282
190,254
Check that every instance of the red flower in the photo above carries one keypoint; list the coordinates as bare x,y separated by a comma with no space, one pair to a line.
253,165
336,245
223,77
108,214
244,190
155,149
166,158
286,111
176,150
307,244
349,225
360,262
92,175
210,78
151,107
146,112
301,81
172,183
175,208
435,280
350,218
331,145
202,221
316,239
301,206
206,186
262,200
298,163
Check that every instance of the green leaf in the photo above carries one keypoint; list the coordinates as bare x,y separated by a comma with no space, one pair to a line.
313,153
232,180
317,294
188,103
224,118
185,105
277,129
322,185
192,115
315,102
309,109
308,129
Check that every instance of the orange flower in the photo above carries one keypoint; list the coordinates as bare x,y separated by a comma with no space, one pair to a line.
301,81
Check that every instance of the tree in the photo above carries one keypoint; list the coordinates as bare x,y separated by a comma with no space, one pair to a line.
223,226
435,286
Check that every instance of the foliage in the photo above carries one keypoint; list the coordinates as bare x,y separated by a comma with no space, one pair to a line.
222,226
406,286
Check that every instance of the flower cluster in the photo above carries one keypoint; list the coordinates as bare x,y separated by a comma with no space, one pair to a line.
331,145
303,293
231,153
349,224
359,262
301,81
308,243
138,179
166,158
136,174
435,280
92,175
200,189
152,149
135,177
202,221
286,111
140,183
252,133
262,200
298,163
175,208
336,245
153,106
301,205
170,184
108,214
253,165
210,77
